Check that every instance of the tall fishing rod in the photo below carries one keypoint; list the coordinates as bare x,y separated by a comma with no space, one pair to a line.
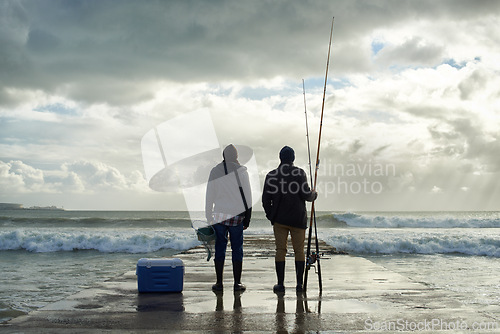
309,258
307,131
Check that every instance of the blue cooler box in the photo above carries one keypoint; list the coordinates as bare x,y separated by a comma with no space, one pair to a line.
160,275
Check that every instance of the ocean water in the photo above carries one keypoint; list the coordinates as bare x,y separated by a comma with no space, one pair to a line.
47,255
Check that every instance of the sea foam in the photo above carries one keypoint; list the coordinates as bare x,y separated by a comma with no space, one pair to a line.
122,241
413,241
433,220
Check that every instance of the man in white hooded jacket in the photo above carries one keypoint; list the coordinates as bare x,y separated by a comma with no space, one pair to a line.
228,209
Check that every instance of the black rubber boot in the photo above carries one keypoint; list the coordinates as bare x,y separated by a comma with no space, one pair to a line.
299,271
280,274
219,271
237,269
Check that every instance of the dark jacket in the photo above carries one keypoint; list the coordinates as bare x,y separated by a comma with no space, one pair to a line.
284,196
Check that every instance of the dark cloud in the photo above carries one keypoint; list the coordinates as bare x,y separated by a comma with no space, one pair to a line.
483,147
380,149
99,46
467,140
412,52
40,41
473,83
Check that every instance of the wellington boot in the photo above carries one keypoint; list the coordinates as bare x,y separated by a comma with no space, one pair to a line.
219,272
280,274
237,269
299,272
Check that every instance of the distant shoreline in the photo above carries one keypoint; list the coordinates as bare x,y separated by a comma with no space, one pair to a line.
16,206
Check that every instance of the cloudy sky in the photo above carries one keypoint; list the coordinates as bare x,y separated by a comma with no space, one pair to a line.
411,118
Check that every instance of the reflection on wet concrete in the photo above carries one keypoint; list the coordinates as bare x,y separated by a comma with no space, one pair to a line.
162,302
219,306
287,324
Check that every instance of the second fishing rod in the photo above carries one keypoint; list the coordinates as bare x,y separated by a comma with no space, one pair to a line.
311,258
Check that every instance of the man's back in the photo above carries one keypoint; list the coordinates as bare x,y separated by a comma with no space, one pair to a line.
284,195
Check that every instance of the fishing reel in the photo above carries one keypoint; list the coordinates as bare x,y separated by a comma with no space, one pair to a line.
311,260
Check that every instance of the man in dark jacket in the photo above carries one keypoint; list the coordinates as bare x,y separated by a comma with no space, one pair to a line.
284,196
228,209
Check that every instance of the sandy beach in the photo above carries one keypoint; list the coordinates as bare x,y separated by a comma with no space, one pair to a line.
358,296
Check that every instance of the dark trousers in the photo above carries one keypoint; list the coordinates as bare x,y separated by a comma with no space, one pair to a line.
235,234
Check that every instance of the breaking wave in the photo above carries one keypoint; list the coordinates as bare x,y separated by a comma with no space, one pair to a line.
103,240
420,220
389,241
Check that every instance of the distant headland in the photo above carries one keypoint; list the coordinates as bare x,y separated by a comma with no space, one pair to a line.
16,206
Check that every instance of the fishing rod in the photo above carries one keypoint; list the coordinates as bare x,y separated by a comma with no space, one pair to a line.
311,258
307,131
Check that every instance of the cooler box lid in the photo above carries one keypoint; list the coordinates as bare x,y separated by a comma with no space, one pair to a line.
160,262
